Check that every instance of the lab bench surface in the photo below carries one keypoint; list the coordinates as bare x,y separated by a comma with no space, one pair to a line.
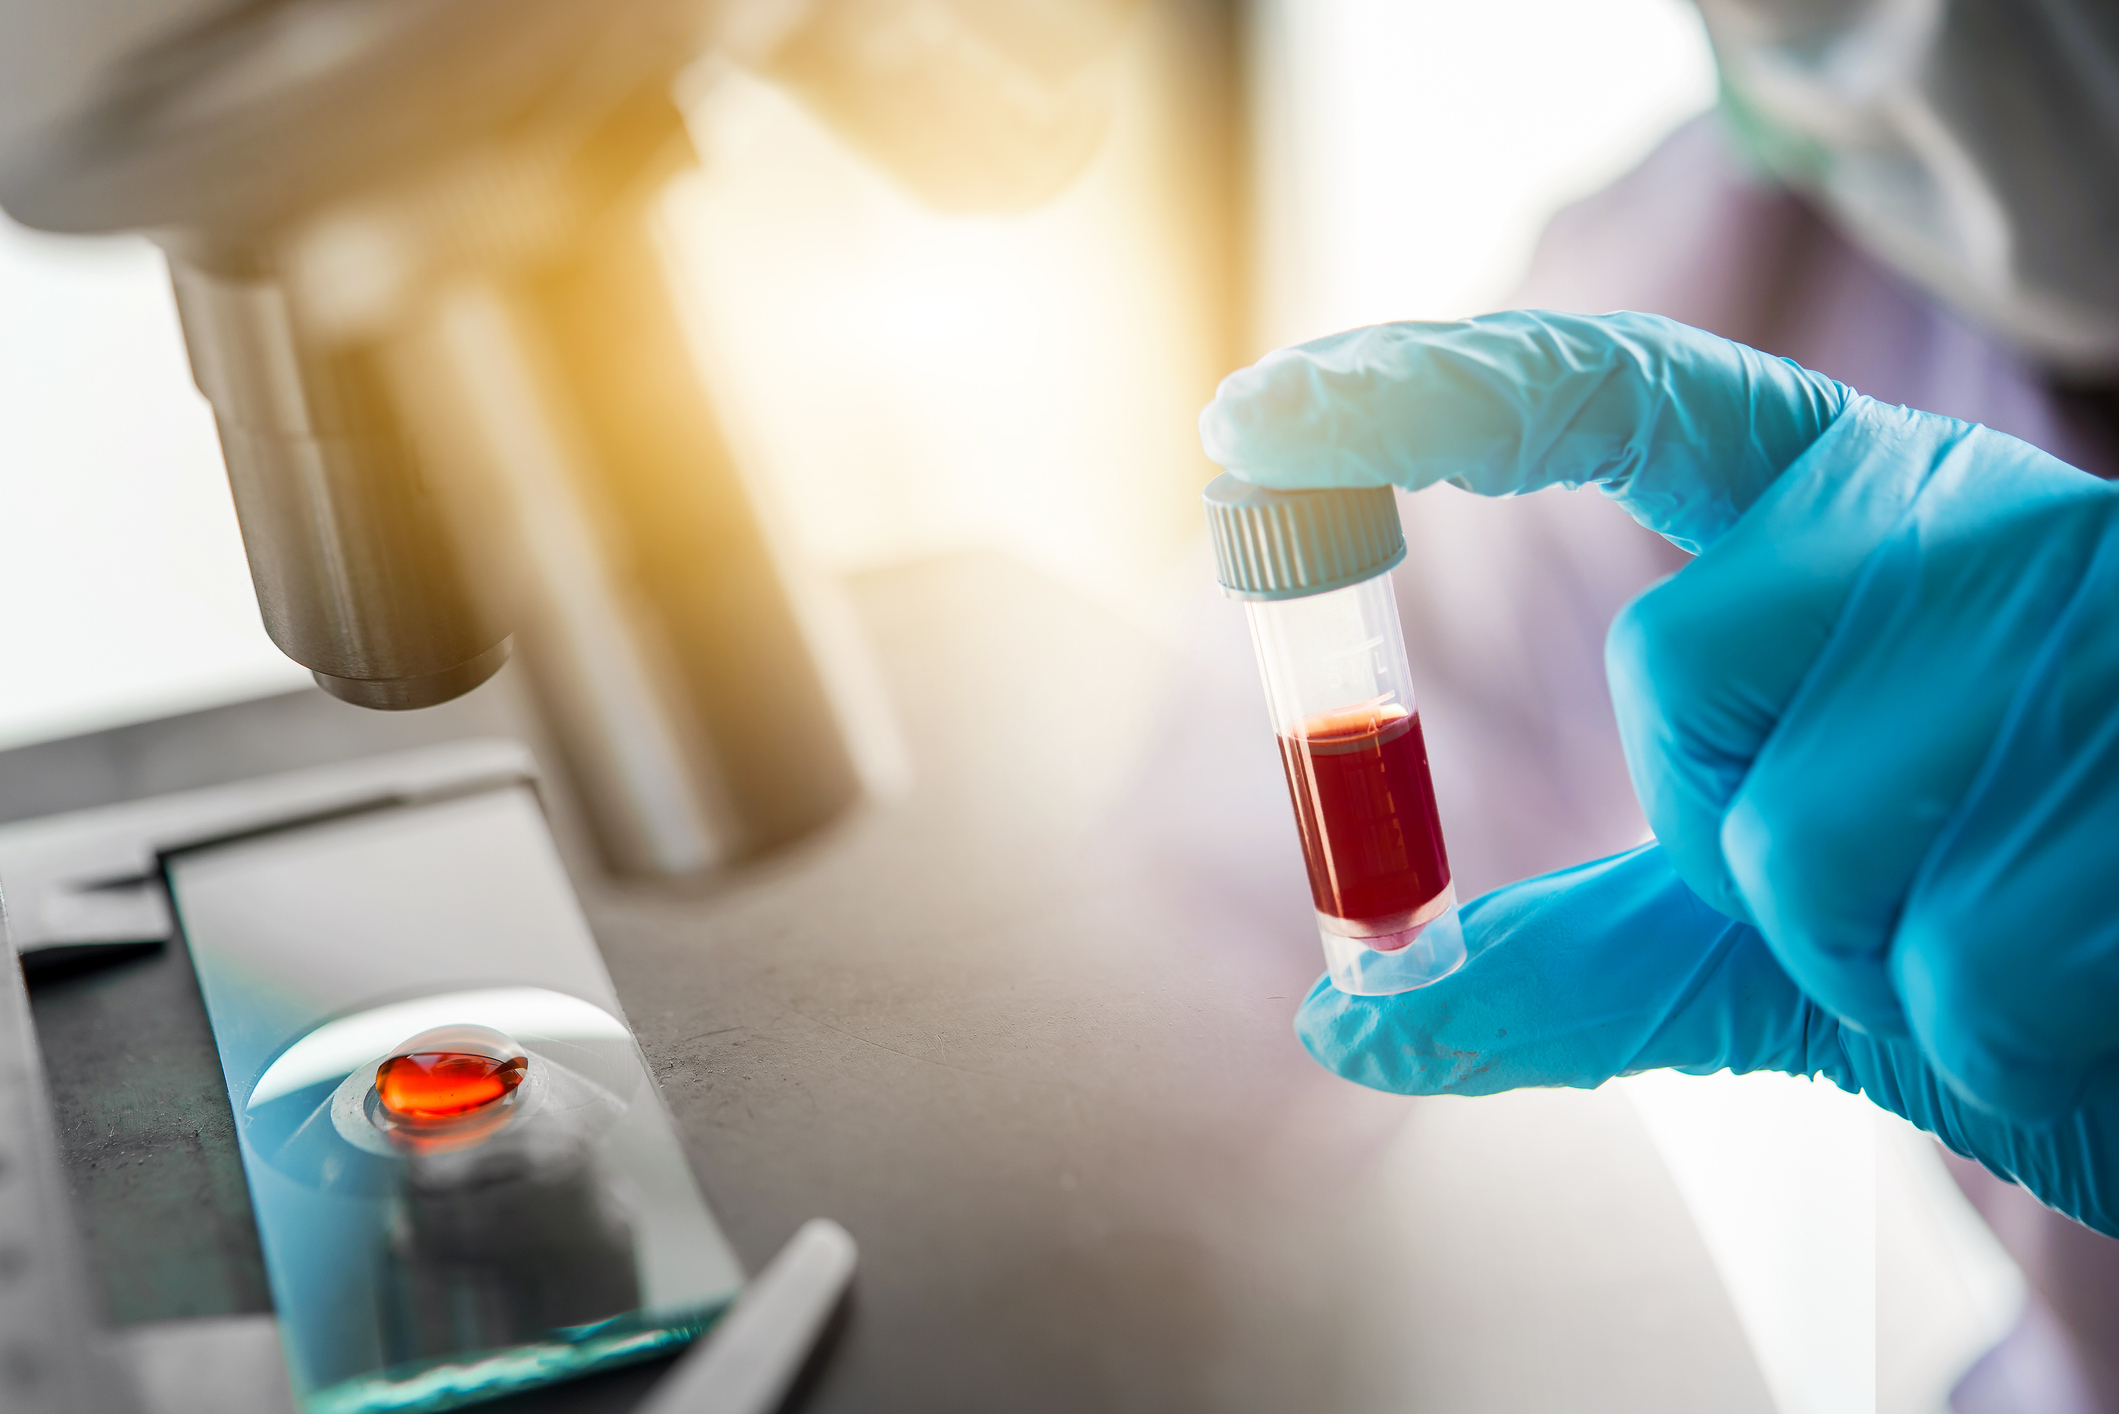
1023,1029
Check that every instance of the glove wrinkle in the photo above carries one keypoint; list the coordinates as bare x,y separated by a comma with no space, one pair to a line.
2007,949
1780,830
1825,1048
1706,667
1708,1038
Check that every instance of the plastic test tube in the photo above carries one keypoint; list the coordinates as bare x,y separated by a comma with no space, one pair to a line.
1313,569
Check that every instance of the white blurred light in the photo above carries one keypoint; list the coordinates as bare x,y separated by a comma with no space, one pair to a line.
1946,1290
909,383
1413,149
1780,1176
123,590
1863,1278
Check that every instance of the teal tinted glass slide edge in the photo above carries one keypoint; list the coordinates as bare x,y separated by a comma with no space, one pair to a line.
452,1384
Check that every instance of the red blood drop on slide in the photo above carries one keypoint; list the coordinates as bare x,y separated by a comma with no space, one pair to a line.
443,1084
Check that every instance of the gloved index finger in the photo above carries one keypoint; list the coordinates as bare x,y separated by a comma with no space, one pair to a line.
1681,427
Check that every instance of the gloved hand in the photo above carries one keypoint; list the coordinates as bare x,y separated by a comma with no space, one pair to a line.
1875,726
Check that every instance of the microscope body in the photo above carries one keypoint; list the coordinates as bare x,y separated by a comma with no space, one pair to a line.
420,268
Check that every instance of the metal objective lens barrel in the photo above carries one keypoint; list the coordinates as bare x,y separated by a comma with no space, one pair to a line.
356,573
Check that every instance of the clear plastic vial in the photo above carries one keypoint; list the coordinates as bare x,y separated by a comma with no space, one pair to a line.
1313,569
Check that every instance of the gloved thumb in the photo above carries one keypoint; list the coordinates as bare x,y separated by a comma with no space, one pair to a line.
1681,427
1616,967
1602,970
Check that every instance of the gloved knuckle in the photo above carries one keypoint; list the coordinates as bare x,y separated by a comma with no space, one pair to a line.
1790,845
1656,637
1631,649
1656,652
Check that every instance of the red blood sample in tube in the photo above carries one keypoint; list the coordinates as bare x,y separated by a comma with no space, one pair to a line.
1366,807
432,1085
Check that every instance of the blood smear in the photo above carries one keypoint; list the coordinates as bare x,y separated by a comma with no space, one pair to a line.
443,1084
1366,807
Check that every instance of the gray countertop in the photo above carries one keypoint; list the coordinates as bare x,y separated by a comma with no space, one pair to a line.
1024,1030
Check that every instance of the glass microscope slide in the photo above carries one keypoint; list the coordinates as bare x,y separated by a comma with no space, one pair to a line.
464,1178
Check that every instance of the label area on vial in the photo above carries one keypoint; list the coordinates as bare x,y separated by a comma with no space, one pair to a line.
1371,835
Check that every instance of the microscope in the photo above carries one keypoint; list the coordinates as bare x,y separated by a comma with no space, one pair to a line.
423,281
421,264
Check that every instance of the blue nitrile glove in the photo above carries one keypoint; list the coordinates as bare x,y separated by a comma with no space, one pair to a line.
1875,726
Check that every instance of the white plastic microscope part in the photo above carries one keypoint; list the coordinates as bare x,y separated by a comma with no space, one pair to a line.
745,1365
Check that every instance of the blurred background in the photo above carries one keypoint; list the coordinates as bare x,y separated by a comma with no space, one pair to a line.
903,384
908,383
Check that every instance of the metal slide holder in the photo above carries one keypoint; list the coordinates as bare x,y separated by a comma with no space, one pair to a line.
464,1179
